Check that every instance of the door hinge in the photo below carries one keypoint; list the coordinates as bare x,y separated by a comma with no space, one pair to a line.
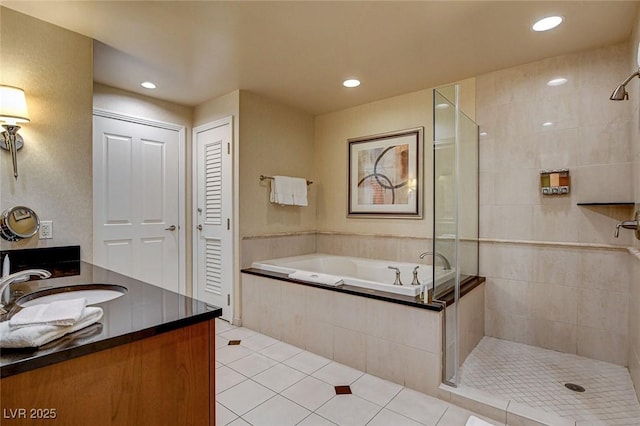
228,300
228,224
228,148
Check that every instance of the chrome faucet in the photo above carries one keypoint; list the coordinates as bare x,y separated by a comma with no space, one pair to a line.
415,276
5,282
630,224
397,281
444,260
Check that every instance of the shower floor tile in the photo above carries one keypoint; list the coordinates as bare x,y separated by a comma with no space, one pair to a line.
537,377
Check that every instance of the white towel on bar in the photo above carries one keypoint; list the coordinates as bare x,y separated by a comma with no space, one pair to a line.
281,190
315,277
299,188
62,312
37,335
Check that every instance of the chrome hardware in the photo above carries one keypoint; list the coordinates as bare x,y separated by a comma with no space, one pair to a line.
19,276
397,281
415,276
444,260
199,227
630,224
171,228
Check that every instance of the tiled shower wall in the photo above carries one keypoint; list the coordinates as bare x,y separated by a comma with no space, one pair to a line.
556,276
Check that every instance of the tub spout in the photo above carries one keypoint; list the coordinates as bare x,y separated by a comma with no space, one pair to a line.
440,256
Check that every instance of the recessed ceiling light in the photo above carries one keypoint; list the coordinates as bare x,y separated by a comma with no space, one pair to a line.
352,82
547,124
548,23
483,133
442,106
557,81
148,85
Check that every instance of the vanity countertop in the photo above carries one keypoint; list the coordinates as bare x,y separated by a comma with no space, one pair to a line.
143,311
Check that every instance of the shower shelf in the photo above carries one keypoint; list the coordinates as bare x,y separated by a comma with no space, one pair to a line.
614,204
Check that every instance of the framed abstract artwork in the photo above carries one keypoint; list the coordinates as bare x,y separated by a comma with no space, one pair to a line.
385,175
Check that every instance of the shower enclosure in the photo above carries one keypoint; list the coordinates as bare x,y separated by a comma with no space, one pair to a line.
455,209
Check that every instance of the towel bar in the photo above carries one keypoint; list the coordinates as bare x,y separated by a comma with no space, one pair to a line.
263,177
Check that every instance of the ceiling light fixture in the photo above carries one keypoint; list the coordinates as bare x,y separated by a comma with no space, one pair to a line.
557,81
547,123
442,106
548,23
352,82
148,85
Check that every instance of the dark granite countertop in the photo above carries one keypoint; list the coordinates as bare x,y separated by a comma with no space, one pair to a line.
143,311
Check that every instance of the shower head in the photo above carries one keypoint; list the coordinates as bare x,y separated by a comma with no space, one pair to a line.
620,94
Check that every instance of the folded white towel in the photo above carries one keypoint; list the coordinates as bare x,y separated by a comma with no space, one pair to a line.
299,191
61,312
281,190
38,335
314,277
474,421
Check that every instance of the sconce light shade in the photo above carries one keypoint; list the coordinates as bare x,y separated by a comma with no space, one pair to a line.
13,110
13,105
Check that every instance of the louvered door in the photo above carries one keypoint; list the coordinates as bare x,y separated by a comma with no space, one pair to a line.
214,258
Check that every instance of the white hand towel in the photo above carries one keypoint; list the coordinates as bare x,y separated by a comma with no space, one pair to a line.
281,190
474,421
38,335
62,312
299,188
314,277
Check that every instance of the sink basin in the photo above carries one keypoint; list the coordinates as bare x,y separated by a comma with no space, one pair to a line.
94,293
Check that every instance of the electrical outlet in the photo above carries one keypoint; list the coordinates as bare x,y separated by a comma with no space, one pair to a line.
46,229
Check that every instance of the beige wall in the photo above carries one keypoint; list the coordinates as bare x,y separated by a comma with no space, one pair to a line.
556,276
54,67
275,140
634,299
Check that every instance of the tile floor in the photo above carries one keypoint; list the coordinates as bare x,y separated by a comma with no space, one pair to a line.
536,377
263,381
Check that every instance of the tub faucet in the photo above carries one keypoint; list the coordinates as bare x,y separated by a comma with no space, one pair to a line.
415,276
444,260
5,282
397,281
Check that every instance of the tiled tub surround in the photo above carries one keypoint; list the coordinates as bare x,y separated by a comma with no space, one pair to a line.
370,246
389,340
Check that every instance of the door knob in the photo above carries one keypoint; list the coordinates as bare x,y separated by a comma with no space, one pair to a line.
199,227
171,228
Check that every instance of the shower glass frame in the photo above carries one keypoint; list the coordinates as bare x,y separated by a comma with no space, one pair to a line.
455,212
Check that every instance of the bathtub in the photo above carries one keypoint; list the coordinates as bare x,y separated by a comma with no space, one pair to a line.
364,273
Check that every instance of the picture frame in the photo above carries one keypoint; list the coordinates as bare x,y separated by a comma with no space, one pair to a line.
385,175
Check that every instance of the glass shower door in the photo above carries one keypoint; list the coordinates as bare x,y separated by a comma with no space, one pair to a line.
455,212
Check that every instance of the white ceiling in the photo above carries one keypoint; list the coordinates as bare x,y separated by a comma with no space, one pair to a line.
299,52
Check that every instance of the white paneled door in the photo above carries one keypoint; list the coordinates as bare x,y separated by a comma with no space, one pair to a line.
136,187
213,201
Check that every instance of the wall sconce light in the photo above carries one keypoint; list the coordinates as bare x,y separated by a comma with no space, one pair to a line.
13,110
